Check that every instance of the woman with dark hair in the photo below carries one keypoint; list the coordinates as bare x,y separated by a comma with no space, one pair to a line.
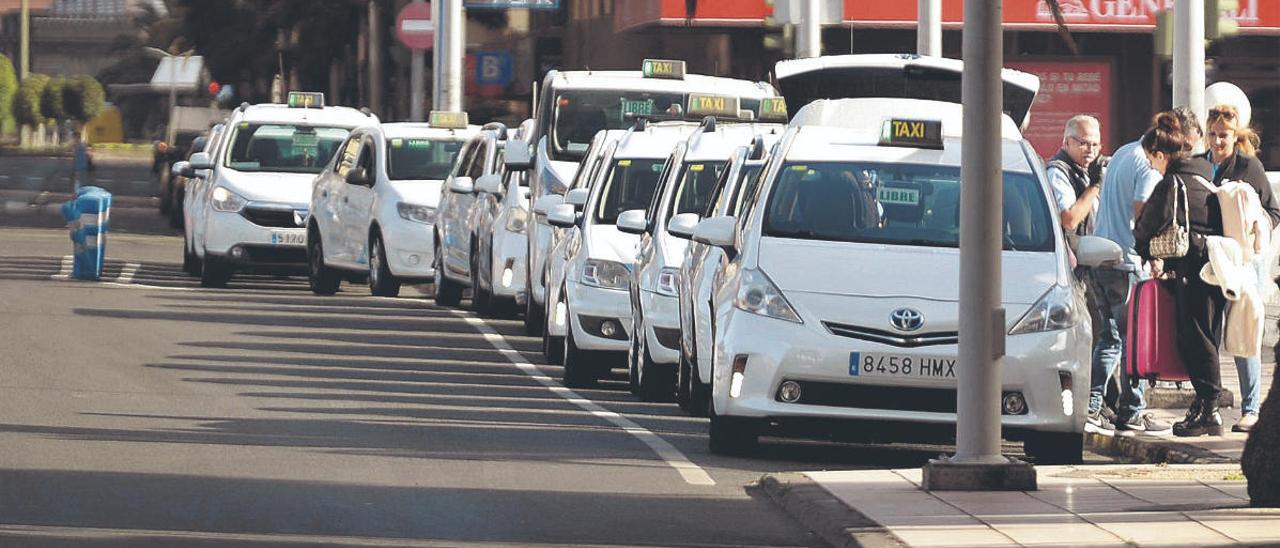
1168,145
1232,146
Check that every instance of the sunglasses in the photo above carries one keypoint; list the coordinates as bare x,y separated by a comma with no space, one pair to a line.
1223,113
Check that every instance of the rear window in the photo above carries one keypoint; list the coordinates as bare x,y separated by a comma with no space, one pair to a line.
283,148
630,184
903,204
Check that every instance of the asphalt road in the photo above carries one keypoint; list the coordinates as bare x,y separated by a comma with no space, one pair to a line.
143,410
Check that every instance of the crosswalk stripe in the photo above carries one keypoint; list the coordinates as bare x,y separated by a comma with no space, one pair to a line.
64,271
126,274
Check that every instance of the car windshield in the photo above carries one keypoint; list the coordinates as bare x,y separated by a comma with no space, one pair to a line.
579,115
410,159
696,186
287,148
896,204
629,185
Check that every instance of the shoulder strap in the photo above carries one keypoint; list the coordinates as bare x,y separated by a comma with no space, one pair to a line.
1204,182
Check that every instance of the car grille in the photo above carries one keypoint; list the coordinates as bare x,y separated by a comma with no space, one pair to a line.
866,396
893,339
271,217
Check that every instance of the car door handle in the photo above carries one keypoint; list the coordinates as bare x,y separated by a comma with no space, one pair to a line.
324,194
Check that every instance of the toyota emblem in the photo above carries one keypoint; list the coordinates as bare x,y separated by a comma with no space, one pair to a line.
906,319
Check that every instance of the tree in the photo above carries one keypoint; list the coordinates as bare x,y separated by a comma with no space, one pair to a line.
82,98
51,105
26,103
8,88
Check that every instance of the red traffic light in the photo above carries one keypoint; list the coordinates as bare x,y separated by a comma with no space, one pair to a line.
214,87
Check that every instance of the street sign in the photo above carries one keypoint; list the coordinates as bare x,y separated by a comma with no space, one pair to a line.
493,68
414,26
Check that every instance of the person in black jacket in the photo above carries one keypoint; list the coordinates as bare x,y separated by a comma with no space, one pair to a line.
1232,148
1168,145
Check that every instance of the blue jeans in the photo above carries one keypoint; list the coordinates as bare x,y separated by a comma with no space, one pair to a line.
1111,290
1249,369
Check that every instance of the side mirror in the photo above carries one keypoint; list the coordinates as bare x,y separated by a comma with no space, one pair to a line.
633,221
489,184
717,231
358,176
577,197
517,156
200,160
1094,251
563,216
682,225
461,185
545,203
181,169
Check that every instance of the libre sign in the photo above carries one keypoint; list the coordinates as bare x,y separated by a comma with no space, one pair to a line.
414,26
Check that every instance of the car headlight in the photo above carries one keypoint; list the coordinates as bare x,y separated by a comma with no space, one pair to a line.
517,220
606,274
225,200
416,213
669,281
758,295
1055,310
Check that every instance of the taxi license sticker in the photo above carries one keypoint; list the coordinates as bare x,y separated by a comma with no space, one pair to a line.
397,143
799,168
697,167
898,196
872,364
624,163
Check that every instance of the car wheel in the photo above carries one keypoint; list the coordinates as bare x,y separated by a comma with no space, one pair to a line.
214,272
189,259
481,299
1055,447
381,281
534,316
733,435
323,280
448,292
552,346
579,372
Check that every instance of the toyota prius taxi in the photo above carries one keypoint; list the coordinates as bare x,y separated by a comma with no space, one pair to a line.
838,313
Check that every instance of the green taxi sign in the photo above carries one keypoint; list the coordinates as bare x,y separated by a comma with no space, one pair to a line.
662,68
642,107
449,120
773,109
305,99
912,133
705,104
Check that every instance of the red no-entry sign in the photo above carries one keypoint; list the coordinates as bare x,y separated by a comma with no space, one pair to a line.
414,26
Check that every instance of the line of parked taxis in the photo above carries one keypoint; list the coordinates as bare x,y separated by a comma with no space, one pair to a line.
784,263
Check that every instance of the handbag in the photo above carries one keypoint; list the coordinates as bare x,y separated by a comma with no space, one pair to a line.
1174,241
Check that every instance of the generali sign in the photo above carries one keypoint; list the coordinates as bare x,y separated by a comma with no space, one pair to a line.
1253,16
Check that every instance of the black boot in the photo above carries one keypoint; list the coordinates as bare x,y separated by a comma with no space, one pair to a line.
1202,419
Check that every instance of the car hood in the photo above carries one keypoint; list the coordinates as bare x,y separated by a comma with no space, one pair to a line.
606,242
425,192
876,270
286,188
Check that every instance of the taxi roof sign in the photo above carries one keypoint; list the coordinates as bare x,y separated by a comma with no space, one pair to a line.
911,133
449,120
705,104
773,109
663,68
305,99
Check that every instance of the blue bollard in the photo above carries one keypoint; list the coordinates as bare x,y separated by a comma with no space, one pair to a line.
88,215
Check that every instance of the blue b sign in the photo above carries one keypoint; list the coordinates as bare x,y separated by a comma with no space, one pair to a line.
493,68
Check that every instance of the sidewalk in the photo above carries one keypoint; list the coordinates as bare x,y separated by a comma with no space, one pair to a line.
1099,505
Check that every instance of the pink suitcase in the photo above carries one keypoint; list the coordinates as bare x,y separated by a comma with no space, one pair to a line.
1152,343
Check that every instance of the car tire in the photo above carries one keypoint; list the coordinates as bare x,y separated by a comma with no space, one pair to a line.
552,346
657,382
481,299
448,292
1055,447
534,316
214,272
382,282
579,372
322,279
633,363
190,262
691,393
733,435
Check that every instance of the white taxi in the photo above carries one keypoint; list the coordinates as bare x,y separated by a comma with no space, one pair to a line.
840,301
574,105
598,268
499,220
374,206
453,235
253,207
694,168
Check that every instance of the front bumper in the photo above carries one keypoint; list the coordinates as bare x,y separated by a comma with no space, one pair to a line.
410,253
226,232
588,306
777,351
510,260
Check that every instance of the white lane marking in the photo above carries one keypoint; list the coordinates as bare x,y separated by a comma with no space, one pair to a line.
692,473
64,271
4,177
127,273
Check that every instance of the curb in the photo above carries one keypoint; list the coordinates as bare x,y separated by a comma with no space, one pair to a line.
827,516
1149,450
